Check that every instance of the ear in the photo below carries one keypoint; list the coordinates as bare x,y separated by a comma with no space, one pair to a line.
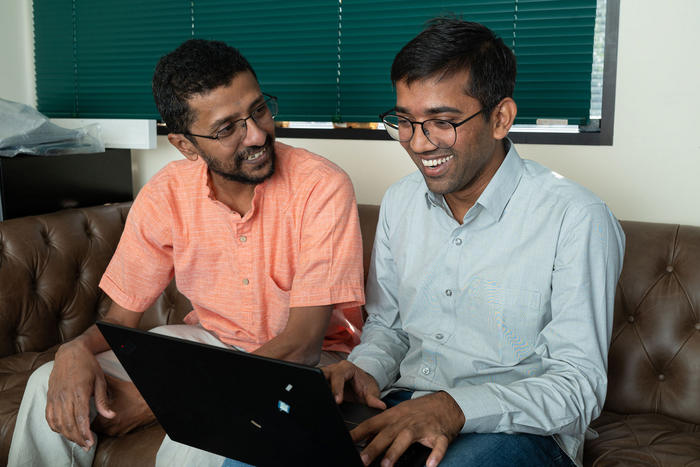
502,117
184,145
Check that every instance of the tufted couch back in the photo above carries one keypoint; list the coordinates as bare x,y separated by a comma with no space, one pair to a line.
654,363
49,270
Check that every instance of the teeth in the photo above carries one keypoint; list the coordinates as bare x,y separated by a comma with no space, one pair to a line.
436,162
252,157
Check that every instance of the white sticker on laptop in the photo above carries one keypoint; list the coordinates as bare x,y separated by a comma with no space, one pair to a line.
283,407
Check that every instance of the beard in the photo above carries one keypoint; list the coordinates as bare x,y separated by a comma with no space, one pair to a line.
236,173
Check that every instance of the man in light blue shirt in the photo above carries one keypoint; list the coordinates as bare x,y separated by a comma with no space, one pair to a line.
492,283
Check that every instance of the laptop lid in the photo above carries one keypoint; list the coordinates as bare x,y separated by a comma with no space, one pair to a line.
256,410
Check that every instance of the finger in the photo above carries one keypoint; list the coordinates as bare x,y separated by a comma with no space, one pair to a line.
80,418
102,400
369,428
375,402
439,450
66,425
398,447
82,423
377,446
338,380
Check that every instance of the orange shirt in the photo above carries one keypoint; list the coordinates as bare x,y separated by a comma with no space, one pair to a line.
299,245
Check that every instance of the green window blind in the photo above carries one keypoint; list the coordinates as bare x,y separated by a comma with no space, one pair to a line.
374,32
291,45
325,59
109,49
53,55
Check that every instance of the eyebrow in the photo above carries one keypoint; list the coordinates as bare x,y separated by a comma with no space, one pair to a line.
222,120
432,111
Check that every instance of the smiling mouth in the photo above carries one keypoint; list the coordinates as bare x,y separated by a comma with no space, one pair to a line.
435,162
255,156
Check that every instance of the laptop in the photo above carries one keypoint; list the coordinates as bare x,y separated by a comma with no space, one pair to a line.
257,410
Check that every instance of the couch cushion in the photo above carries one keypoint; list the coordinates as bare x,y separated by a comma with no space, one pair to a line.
138,448
642,440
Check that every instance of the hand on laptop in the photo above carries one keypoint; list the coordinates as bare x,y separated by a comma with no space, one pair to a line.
76,376
433,420
131,410
350,383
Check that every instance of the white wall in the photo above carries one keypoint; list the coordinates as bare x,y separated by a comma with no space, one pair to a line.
17,52
651,173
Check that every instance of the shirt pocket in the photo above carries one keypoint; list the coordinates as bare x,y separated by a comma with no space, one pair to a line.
275,311
519,326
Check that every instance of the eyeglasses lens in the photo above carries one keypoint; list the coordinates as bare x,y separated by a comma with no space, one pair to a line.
438,132
263,115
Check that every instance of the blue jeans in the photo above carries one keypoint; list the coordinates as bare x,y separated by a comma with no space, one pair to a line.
487,449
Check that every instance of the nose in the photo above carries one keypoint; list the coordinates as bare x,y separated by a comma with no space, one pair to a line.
419,142
255,136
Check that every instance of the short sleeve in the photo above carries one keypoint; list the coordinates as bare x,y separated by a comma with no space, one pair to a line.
142,265
330,259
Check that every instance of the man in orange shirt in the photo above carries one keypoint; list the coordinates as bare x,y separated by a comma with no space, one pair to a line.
263,239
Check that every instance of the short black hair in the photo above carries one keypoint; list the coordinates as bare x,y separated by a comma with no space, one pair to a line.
198,66
449,45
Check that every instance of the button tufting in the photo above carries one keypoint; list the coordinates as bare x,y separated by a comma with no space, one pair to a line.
0,246
662,378
630,319
46,240
669,268
697,326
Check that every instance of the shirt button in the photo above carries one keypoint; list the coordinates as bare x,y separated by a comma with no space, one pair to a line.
458,241
426,371
448,292
439,336
246,282
243,239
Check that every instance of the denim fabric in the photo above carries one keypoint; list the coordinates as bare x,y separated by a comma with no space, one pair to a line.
502,450
233,463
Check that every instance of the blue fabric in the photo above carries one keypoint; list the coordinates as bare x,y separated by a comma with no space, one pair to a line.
502,450
233,463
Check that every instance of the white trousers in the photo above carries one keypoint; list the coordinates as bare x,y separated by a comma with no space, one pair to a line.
34,444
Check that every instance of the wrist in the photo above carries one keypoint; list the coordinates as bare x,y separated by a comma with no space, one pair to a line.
77,345
453,409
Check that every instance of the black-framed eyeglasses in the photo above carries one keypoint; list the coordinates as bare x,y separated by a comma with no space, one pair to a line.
234,132
441,133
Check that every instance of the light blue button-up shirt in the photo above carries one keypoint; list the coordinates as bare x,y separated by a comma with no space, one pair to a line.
509,312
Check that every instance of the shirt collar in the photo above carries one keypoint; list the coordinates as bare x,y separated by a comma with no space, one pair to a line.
499,190
503,184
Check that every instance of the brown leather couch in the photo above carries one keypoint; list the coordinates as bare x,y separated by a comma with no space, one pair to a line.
50,266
